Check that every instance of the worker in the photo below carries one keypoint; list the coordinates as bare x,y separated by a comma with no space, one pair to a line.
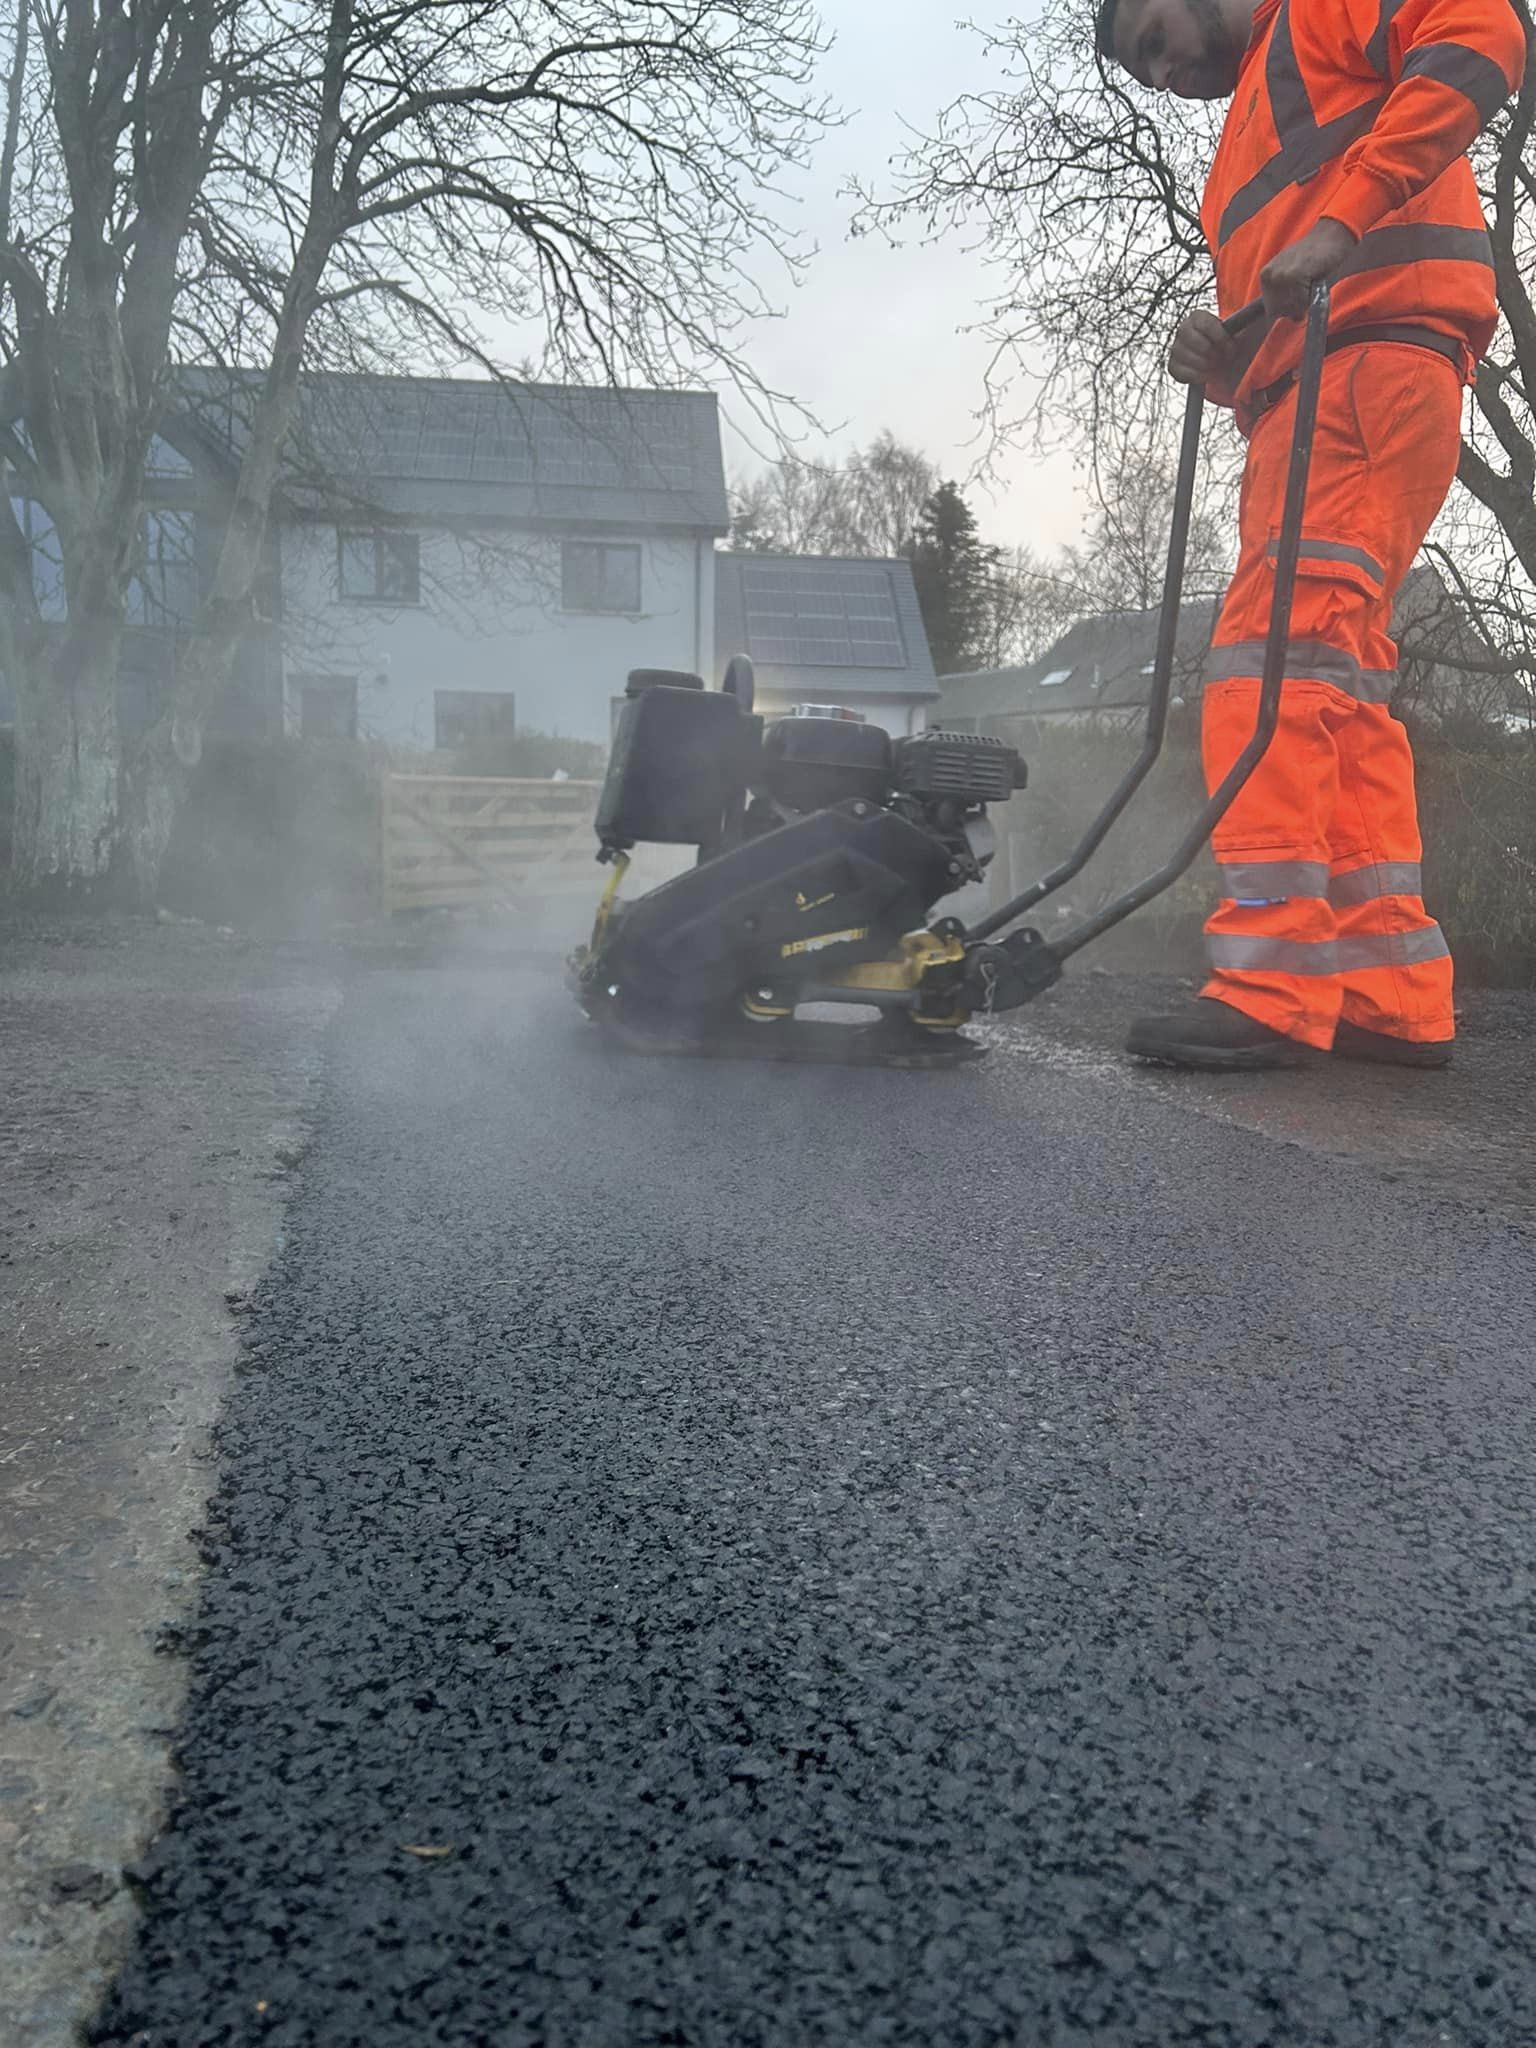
1342,158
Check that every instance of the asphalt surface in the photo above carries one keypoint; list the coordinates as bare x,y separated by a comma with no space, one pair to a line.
153,1086
724,1555
1467,1134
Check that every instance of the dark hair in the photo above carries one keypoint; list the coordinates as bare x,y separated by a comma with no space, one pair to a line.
1104,30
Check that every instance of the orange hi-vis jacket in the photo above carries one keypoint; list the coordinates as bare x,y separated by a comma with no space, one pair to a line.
1361,111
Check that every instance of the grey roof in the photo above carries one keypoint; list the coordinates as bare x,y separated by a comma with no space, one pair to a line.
458,447
827,626
1105,663
1100,664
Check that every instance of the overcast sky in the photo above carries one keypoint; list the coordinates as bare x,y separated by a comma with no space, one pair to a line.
873,337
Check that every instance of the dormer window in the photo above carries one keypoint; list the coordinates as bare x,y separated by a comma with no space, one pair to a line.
165,461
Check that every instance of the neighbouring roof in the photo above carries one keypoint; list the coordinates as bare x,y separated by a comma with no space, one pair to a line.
824,626
1105,663
1100,664
466,448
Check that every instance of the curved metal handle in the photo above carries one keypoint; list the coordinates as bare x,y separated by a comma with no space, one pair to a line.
1162,668
1162,674
1309,380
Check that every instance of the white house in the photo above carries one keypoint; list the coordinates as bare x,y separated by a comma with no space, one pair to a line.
452,560
457,559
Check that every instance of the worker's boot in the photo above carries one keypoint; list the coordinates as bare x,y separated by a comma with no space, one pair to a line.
1211,1034
1354,1042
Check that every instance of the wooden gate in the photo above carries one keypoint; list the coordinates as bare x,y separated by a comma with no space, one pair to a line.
454,841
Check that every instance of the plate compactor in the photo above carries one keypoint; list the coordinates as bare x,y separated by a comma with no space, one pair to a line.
824,846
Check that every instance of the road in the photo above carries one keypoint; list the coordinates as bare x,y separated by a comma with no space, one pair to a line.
154,1086
724,1556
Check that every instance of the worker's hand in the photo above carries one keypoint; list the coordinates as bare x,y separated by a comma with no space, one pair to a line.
1287,279
1203,352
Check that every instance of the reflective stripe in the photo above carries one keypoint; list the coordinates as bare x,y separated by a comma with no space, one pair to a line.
1306,144
1301,155
1273,878
1378,50
1467,71
1426,242
1381,878
1358,954
1335,551
1290,104
1244,951
1305,661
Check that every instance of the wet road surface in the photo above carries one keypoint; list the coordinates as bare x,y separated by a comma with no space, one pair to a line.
721,1555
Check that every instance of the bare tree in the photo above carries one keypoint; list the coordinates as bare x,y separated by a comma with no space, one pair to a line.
793,507
869,503
280,185
1034,599
888,486
1465,659
1087,212
1120,565
112,117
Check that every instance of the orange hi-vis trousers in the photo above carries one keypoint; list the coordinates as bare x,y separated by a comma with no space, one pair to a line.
1321,915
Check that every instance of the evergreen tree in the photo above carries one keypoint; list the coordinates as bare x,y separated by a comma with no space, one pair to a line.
956,573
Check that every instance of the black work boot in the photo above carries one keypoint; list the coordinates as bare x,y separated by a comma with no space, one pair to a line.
1211,1034
1354,1042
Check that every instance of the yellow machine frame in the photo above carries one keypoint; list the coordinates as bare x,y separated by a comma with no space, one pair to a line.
921,953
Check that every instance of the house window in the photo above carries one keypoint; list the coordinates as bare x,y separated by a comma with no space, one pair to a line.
164,589
327,707
47,559
463,717
379,567
599,576
165,592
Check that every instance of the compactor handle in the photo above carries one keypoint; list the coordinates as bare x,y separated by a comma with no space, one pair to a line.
1309,379
1162,666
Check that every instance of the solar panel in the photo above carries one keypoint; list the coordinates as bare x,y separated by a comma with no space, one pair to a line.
447,443
811,615
465,433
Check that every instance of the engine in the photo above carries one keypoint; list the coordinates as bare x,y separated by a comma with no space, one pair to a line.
698,767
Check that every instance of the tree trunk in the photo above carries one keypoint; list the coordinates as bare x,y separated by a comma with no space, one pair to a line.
155,784
160,774
64,827
157,773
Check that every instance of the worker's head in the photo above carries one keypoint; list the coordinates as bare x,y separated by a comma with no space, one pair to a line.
1191,48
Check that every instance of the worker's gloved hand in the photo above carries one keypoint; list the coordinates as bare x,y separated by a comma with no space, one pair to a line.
1287,279
1203,352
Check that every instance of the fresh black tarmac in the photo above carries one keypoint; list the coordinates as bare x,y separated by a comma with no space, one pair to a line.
843,1557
